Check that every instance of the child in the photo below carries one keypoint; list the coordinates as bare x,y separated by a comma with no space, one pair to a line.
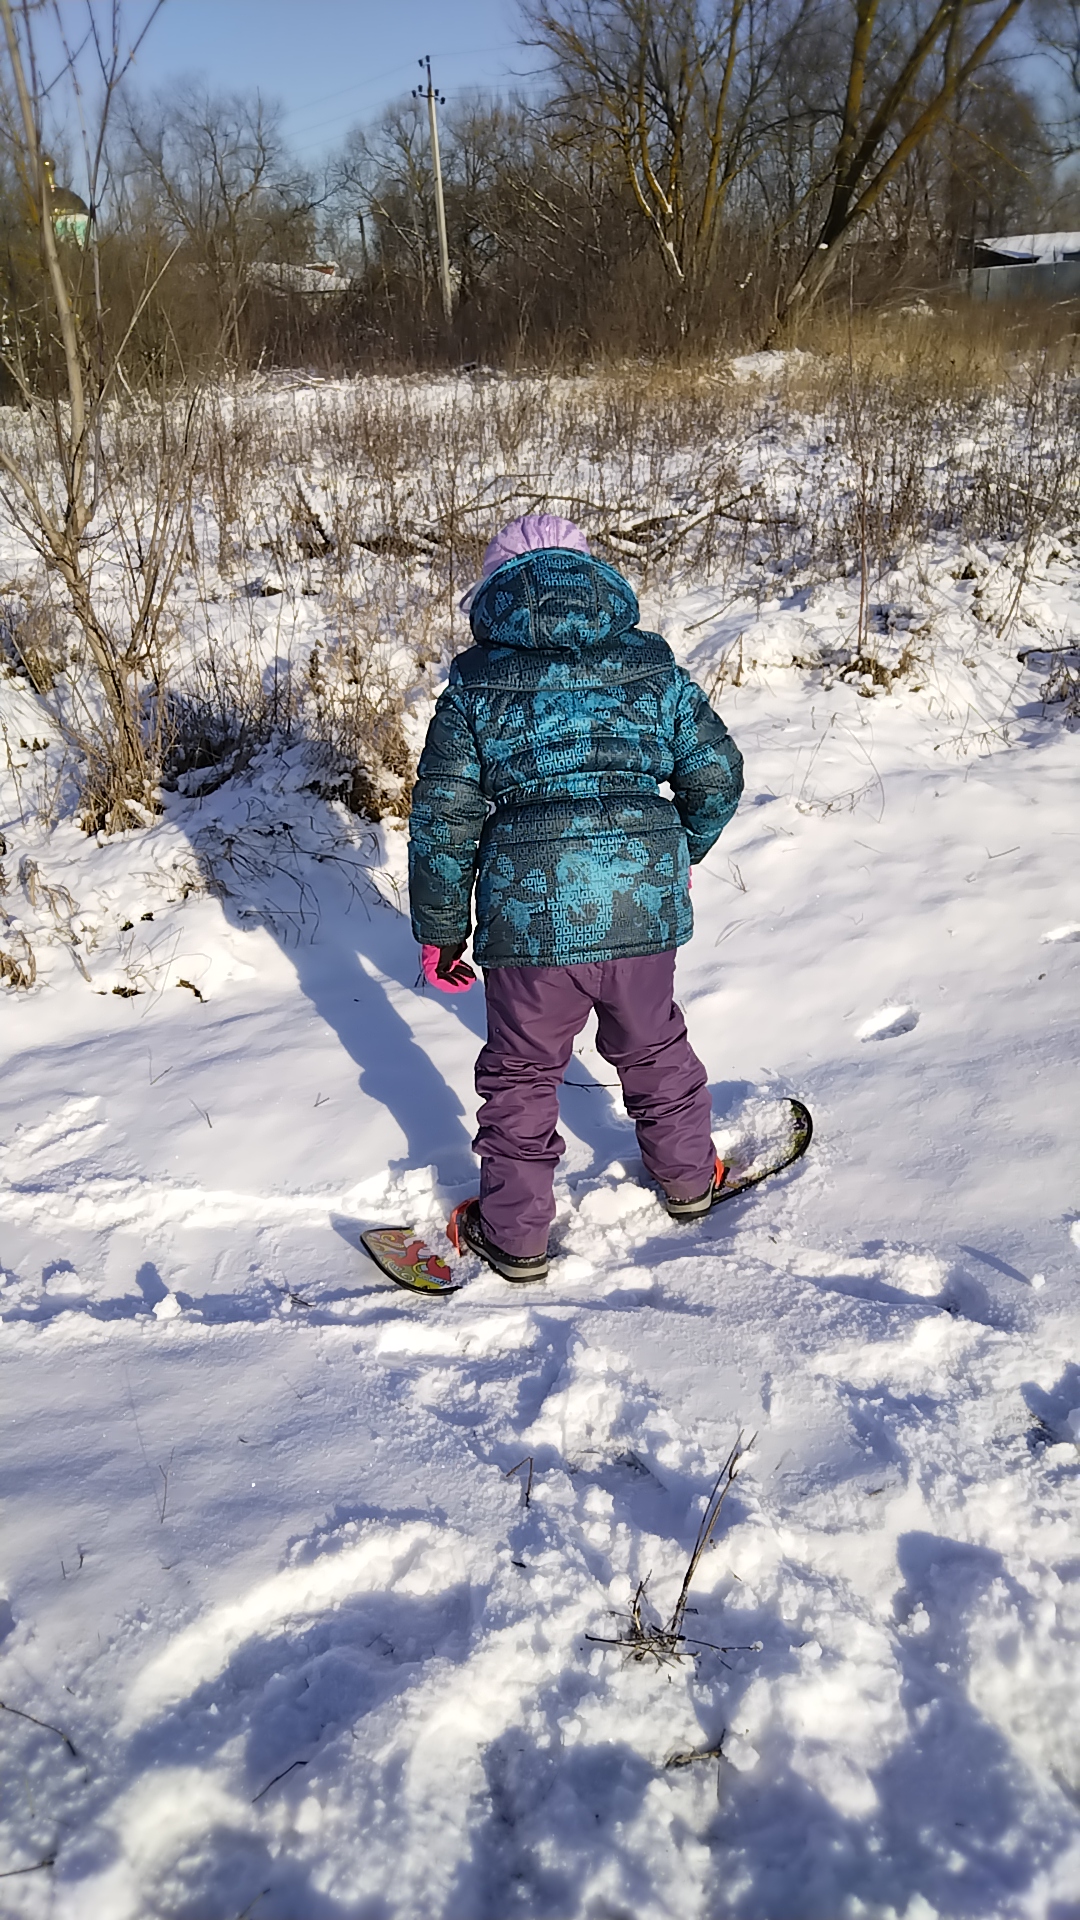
540,783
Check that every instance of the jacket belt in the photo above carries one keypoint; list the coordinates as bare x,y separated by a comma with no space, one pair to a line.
586,786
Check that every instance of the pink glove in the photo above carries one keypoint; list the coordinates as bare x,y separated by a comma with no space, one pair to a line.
443,967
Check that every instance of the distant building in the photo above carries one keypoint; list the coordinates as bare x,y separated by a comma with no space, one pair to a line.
71,217
314,280
1024,266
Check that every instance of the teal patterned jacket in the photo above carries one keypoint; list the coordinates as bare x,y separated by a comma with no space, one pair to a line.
539,783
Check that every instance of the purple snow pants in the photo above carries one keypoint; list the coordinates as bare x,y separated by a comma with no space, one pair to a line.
533,1016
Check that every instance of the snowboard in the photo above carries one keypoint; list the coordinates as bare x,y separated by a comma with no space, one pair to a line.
401,1253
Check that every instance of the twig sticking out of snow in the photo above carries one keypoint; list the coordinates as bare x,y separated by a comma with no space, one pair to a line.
644,1639
277,1777
12,1873
527,1462
725,1480
164,1472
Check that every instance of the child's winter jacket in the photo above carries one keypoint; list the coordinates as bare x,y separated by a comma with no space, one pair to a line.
540,777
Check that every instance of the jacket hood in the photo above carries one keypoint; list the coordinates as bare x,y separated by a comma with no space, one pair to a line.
553,601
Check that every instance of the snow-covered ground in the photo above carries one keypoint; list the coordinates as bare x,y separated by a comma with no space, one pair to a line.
300,1571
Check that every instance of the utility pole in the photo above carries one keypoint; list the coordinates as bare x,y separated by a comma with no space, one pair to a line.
434,100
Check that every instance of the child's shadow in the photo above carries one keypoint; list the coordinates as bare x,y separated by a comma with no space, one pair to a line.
356,962
395,1071
354,969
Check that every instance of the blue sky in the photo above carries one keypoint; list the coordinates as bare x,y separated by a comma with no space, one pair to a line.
333,62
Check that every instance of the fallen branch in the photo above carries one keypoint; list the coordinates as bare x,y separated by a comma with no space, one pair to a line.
46,1728
12,1873
697,1753
527,1462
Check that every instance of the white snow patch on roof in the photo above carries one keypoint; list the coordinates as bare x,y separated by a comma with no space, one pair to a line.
1045,248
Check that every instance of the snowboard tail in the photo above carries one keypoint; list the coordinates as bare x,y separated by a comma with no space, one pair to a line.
783,1153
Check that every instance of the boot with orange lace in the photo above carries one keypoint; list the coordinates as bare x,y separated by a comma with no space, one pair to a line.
704,1203
465,1232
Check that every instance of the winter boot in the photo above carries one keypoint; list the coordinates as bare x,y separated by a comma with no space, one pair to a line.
465,1229
694,1209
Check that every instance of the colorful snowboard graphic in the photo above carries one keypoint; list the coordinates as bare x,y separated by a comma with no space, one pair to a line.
402,1255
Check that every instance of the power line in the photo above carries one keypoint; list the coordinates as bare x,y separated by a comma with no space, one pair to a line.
374,81
404,66
297,141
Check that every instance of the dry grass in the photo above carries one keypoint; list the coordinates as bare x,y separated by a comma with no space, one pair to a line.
367,504
18,966
946,342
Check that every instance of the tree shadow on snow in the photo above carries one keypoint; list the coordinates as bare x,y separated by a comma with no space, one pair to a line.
290,1693
556,1817
960,1823
282,1716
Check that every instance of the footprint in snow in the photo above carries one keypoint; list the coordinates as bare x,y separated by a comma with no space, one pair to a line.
888,1022
1070,931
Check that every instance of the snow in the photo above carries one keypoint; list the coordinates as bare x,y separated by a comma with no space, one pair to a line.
315,1575
768,363
1045,247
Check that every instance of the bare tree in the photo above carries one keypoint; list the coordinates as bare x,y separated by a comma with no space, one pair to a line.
56,480
503,206
901,74
385,173
1058,36
988,168
676,91
219,169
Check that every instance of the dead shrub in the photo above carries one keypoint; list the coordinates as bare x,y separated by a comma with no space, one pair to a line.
358,714
226,707
18,967
32,639
346,699
105,803
1062,686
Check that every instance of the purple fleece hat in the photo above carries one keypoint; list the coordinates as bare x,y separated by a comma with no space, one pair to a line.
532,531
